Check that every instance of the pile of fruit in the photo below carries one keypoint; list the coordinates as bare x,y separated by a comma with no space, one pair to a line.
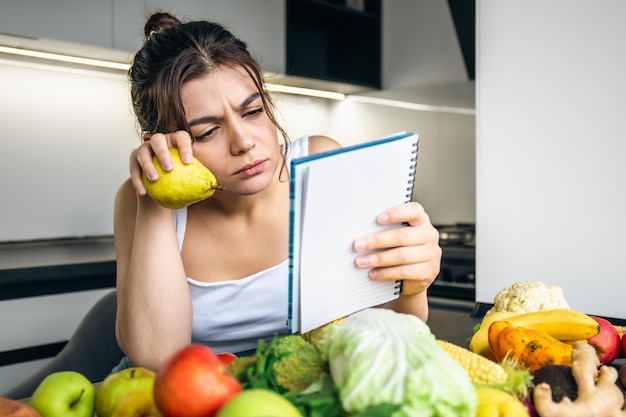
525,359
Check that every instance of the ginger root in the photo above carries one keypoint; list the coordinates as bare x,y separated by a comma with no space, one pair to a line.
598,394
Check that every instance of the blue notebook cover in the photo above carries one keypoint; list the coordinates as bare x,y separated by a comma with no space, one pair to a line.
335,198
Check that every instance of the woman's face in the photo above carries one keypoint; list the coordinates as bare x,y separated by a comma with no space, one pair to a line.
233,135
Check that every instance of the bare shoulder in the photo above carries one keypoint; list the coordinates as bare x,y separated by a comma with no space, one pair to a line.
320,143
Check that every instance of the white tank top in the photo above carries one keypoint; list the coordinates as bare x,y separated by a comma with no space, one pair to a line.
230,316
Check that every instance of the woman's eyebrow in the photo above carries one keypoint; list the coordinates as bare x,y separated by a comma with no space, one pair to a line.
249,100
212,119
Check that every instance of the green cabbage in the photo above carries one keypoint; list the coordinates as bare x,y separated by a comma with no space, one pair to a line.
379,356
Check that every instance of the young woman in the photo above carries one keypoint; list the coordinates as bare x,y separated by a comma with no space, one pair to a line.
216,272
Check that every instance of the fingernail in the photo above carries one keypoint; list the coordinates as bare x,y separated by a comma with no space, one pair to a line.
168,165
360,244
383,218
186,158
152,175
362,260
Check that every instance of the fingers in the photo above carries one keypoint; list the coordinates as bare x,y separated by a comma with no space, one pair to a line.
417,267
158,144
411,253
412,213
135,175
419,232
183,142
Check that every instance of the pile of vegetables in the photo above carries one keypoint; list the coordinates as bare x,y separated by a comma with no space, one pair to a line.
374,363
379,363
532,328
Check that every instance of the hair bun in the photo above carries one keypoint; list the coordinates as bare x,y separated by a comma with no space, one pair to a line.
158,22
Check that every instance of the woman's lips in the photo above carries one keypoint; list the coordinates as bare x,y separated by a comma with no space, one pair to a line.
251,169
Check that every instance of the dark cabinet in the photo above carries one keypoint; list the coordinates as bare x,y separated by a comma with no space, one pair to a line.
335,40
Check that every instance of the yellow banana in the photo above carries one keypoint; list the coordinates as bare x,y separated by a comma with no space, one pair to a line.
572,342
494,402
561,323
479,342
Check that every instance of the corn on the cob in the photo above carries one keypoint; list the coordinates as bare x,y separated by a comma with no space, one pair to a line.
480,369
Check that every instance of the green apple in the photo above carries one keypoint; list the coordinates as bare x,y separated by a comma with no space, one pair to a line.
258,402
64,394
117,385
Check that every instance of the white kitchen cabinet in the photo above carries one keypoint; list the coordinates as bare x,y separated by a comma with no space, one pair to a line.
118,24
84,21
129,17
261,24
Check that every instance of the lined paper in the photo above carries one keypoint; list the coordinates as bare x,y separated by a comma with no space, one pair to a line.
335,199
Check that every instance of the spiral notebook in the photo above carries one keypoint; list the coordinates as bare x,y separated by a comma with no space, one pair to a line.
335,198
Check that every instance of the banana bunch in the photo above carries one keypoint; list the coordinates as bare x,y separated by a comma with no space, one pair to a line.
564,324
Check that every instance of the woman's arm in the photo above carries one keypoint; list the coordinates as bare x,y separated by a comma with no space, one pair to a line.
154,306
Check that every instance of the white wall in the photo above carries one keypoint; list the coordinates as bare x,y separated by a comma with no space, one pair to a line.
551,96
66,136
444,180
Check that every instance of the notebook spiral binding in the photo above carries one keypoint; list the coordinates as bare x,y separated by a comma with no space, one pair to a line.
398,287
408,196
409,189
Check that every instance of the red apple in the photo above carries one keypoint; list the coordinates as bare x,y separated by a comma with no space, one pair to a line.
606,342
226,357
194,382
623,347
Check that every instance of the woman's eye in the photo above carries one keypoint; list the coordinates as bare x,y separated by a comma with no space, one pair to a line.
206,135
254,112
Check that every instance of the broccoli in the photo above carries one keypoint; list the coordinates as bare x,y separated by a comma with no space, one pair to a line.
288,363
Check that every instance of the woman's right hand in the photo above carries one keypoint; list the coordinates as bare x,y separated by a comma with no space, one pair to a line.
157,145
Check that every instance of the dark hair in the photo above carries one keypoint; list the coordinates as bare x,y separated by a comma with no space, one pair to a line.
176,52
157,22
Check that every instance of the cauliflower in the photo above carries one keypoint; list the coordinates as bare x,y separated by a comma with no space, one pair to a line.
529,296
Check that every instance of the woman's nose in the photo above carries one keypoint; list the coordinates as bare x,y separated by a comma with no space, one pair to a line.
240,142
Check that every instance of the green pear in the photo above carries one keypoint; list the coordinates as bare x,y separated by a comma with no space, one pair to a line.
184,185
64,394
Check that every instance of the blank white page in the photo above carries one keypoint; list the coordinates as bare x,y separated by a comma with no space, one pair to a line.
343,194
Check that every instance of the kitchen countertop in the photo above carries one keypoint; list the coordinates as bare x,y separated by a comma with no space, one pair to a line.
19,255
452,320
55,266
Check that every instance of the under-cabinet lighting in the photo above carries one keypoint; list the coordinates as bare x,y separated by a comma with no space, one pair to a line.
412,106
64,58
279,88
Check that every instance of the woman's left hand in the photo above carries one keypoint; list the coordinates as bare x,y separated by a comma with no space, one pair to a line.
410,253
